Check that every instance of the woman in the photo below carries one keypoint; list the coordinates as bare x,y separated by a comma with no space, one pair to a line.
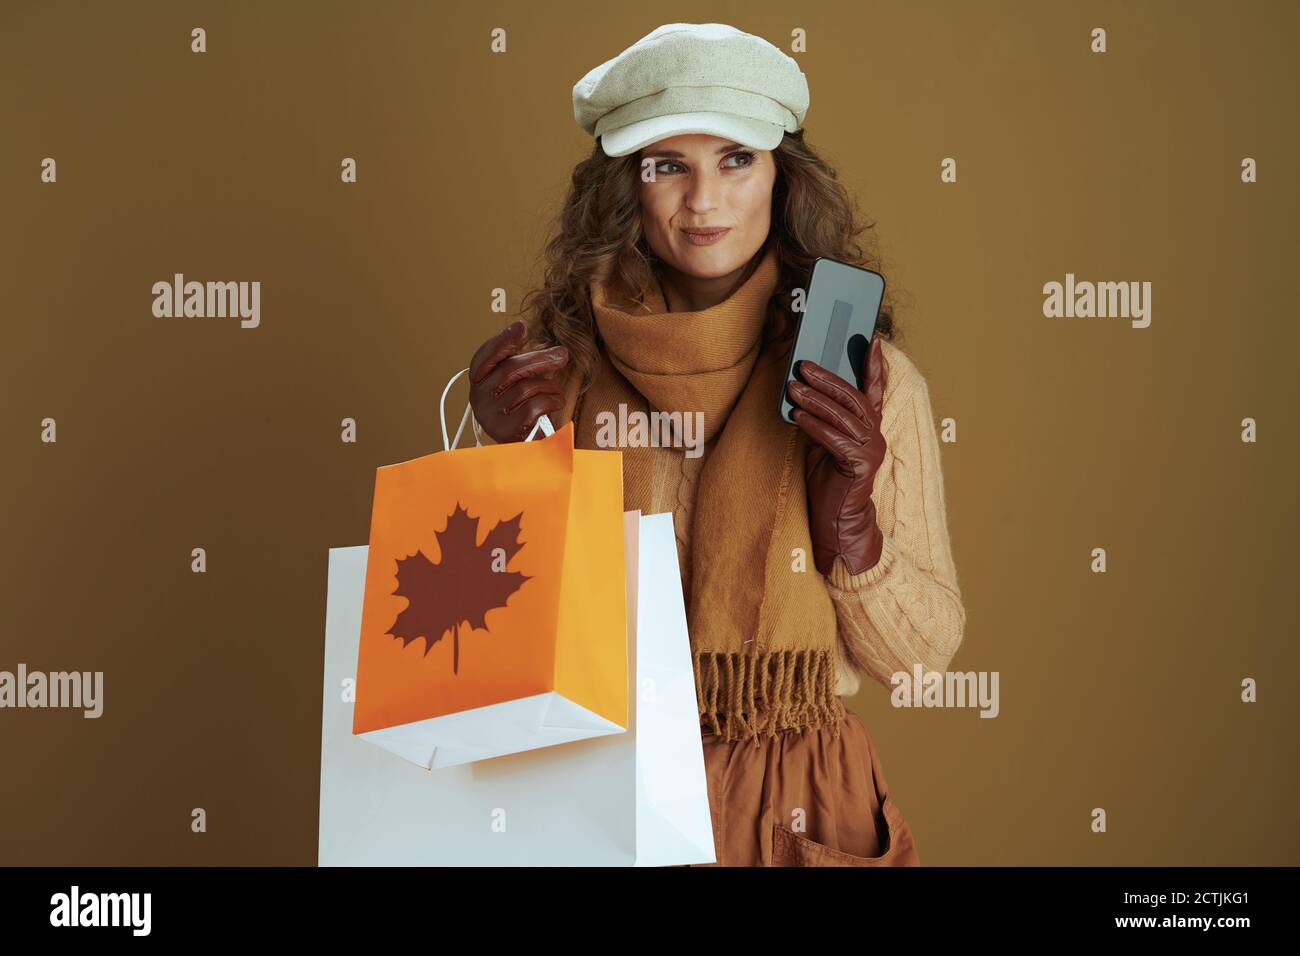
669,288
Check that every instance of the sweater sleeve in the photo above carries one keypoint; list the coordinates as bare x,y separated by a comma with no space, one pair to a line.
907,609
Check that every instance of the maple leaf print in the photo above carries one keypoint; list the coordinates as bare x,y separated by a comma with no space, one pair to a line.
461,588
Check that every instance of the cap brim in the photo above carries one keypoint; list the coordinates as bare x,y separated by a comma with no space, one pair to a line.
748,132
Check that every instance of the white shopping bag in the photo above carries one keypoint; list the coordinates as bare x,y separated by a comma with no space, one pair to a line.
633,799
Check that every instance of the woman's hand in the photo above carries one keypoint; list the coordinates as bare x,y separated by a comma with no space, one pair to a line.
844,426
507,391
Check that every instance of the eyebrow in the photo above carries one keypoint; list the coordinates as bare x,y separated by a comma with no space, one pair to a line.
724,148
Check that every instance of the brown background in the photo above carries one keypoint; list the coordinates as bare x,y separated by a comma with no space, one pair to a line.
1118,690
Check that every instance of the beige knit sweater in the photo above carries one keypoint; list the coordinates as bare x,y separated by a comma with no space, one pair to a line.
908,608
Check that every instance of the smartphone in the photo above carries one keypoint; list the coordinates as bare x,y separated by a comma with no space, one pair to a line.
839,318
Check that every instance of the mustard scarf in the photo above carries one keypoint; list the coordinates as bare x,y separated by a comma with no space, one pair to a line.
762,628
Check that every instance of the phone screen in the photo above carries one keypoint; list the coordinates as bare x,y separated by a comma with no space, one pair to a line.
837,324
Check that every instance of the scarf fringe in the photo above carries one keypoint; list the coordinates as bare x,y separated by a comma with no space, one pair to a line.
745,696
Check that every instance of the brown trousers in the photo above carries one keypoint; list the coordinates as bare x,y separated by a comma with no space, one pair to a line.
804,799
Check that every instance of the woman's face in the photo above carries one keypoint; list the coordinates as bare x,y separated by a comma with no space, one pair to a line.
703,182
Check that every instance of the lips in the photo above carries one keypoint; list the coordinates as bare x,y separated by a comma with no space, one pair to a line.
705,237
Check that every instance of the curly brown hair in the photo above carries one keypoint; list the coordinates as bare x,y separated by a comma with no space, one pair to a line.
598,236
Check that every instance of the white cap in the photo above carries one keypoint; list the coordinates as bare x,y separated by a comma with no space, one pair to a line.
692,78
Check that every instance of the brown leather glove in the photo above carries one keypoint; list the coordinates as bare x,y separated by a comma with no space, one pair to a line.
844,426
507,391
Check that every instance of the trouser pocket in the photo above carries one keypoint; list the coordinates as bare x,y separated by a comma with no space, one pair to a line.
795,849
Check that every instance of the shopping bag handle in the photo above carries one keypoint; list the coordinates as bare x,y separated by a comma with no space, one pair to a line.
543,422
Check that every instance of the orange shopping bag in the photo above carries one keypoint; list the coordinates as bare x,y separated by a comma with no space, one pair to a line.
494,616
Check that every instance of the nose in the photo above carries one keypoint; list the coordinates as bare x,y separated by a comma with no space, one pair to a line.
702,194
